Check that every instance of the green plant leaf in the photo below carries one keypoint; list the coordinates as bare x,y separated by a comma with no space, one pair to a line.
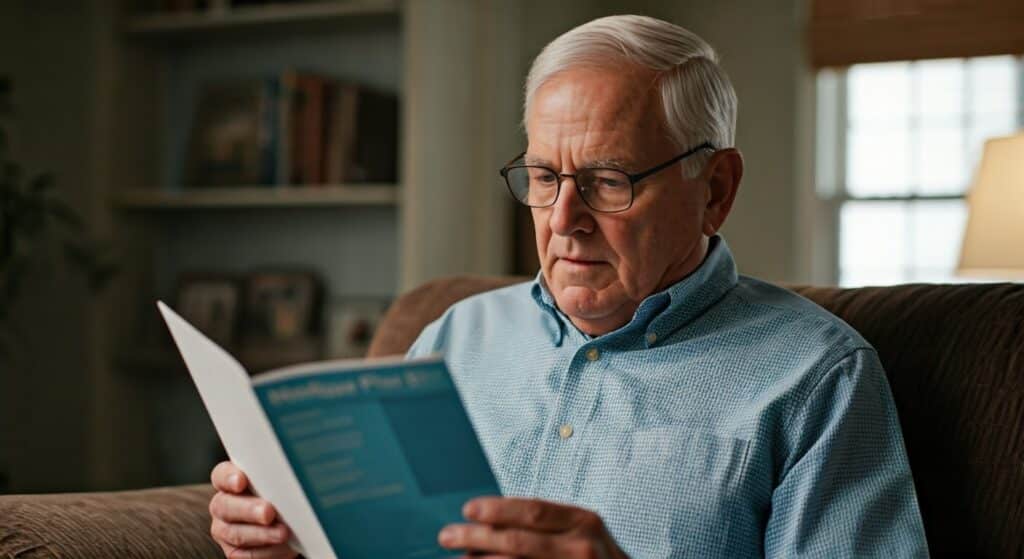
95,259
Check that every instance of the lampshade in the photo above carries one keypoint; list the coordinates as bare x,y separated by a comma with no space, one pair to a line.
994,241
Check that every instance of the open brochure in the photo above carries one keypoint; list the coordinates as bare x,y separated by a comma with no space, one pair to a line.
360,458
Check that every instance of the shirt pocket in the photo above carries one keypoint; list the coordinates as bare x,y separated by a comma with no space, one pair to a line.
677,492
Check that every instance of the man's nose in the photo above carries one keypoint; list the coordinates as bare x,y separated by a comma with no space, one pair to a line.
570,214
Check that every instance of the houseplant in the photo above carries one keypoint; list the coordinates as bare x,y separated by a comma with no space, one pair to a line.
39,233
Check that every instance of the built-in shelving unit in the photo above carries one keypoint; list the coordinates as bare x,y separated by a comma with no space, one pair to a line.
346,235
455,69
155,199
170,25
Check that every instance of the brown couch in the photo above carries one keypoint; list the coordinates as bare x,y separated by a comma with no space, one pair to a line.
955,359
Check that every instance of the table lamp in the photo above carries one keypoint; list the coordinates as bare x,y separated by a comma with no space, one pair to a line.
994,240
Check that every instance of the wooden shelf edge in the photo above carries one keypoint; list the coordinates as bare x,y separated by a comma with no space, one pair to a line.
156,24
258,196
163,361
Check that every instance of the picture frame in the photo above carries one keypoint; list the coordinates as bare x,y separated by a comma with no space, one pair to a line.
282,306
352,323
211,302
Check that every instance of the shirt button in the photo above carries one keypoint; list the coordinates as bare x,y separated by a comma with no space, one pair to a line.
652,337
565,431
593,354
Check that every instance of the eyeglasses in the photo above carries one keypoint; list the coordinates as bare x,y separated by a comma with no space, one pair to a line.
602,189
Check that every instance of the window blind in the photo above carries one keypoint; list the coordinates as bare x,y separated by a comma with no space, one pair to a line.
844,32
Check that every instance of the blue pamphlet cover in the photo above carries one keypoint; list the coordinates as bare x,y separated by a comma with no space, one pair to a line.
384,452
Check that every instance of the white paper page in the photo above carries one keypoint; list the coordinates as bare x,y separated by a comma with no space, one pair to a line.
244,429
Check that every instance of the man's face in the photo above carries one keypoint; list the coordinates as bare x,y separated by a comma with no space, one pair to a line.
600,266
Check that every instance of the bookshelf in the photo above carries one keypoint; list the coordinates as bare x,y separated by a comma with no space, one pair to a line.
320,196
346,234
268,16
455,67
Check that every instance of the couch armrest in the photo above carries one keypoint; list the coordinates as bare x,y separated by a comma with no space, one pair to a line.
165,522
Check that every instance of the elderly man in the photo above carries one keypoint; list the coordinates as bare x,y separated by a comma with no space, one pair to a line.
639,398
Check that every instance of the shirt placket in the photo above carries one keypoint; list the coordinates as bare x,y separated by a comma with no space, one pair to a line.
564,433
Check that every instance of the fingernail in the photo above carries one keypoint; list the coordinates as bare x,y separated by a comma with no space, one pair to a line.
471,509
445,536
233,480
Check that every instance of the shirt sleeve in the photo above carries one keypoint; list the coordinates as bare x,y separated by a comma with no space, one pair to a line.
846,489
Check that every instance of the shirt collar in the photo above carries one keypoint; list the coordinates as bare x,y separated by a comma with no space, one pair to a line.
662,313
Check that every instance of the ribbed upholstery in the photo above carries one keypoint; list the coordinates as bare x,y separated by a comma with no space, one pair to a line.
153,523
954,356
411,312
955,360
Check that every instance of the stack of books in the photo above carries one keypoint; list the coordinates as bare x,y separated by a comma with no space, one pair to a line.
295,129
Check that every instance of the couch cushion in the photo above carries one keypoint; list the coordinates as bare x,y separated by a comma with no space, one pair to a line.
413,311
954,355
154,523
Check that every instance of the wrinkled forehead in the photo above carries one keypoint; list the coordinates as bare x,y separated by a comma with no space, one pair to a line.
595,99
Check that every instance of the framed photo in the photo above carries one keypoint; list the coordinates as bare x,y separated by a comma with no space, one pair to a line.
352,322
211,304
281,306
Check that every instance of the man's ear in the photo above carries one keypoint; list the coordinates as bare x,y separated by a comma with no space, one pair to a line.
723,174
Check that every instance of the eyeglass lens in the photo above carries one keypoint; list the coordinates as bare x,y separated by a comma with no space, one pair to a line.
601,189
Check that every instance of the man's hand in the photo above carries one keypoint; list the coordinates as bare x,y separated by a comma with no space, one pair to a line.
245,526
509,527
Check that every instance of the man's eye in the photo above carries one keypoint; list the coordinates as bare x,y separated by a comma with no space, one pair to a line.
543,177
610,180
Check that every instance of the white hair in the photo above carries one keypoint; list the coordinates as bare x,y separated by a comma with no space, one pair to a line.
698,100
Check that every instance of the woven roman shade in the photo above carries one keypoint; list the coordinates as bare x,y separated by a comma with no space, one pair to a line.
844,32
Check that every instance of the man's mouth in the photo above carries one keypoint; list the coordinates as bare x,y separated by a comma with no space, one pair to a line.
581,261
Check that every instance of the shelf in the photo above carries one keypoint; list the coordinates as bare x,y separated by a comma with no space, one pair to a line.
165,360
173,24
258,197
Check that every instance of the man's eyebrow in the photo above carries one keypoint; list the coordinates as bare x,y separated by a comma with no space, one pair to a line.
605,162
608,162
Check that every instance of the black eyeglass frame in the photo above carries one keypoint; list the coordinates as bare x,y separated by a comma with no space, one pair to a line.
633,178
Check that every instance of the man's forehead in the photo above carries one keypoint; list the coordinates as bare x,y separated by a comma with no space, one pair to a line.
592,118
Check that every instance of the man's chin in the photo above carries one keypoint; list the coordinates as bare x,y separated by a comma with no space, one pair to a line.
582,301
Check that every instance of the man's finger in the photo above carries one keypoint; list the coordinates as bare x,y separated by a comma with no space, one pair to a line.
274,552
491,540
242,508
228,477
248,535
532,514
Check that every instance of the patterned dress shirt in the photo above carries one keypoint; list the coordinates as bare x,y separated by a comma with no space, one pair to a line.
728,418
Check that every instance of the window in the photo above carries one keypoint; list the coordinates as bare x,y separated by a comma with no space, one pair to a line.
898,143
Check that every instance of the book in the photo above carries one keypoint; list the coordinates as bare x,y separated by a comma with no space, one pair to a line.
376,151
367,458
302,122
232,134
339,150
361,136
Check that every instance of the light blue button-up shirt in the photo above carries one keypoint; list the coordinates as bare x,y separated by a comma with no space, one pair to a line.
728,418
